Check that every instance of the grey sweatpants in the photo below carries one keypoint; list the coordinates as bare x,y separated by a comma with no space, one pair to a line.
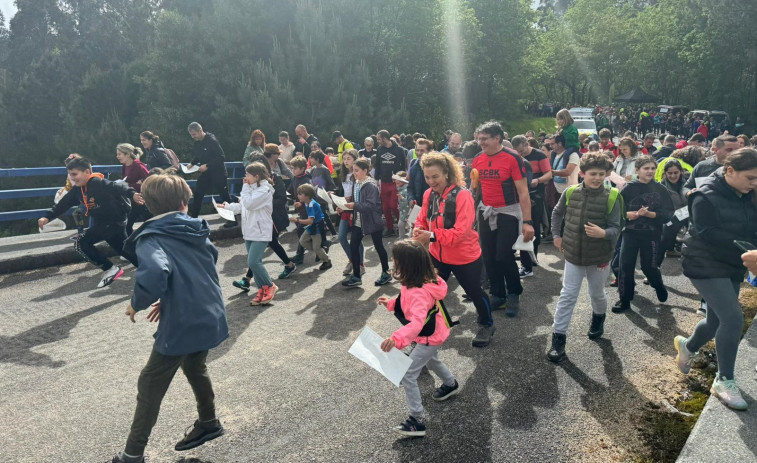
724,321
423,355
313,243
573,277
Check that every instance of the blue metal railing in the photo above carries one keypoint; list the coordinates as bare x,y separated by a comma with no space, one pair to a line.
235,182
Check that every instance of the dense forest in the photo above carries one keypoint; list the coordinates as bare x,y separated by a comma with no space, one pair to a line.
83,75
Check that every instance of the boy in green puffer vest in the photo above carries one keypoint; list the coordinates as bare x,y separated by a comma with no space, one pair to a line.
592,215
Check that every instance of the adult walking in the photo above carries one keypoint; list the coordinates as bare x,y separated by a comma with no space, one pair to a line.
155,154
389,161
445,223
208,154
722,212
504,213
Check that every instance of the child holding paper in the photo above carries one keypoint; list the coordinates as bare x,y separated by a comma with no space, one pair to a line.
425,323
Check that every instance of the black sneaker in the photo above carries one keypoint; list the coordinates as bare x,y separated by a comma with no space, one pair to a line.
557,351
614,283
483,336
325,266
383,279
662,293
243,284
411,428
621,306
352,281
199,434
445,392
287,271
121,458
525,273
597,327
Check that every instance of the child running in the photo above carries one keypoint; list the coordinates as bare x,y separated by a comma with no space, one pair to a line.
425,322
314,222
256,207
177,277
592,215
105,201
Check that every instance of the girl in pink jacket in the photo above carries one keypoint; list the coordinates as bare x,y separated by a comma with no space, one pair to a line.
426,323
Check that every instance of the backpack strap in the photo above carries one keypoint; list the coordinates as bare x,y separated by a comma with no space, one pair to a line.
614,194
569,193
450,208
447,319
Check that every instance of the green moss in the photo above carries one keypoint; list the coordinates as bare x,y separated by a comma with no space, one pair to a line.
664,434
695,404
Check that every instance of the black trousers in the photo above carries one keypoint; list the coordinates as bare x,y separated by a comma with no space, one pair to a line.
499,258
113,234
206,184
469,277
378,244
646,247
537,212
138,213
668,240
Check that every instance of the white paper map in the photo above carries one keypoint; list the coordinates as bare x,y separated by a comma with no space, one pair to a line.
393,364
53,226
619,181
189,171
413,215
682,213
224,213
340,202
323,194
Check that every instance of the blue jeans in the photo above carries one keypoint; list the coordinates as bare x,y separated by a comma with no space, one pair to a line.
255,250
344,229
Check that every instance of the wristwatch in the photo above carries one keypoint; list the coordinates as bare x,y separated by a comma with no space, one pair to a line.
528,222
433,238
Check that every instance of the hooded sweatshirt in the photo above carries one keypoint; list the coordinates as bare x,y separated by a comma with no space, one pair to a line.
416,302
177,264
105,201
256,206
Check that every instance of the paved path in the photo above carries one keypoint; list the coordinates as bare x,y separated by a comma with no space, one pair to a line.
287,390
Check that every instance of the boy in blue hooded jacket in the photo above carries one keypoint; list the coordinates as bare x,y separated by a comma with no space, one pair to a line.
176,277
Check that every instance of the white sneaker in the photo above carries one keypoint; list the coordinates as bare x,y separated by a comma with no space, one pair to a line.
347,269
728,393
110,276
685,358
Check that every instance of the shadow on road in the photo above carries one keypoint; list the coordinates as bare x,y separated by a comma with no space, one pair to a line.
18,349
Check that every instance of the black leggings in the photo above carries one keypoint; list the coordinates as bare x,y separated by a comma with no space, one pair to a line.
278,249
207,184
113,234
668,241
646,248
138,213
378,244
499,258
469,277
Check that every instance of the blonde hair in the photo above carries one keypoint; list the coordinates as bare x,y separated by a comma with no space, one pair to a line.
564,115
129,150
165,193
447,163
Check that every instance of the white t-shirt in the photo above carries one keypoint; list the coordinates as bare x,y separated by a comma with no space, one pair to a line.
572,179
287,152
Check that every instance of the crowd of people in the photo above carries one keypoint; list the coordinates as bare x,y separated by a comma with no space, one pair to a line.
603,206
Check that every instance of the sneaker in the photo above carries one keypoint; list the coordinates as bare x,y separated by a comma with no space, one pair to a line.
525,273
122,458
513,305
445,392
298,259
483,336
727,392
352,281
662,294
111,275
614,283
621,306
326,266
645,281
268,293
348,269
287,271
557,351
243,284
199,434
258,297
383,279
597,328
411,428
684,358
497,302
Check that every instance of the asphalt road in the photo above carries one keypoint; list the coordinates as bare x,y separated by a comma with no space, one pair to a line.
287,390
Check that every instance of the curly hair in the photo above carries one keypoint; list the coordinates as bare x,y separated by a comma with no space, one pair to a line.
256,133
447,164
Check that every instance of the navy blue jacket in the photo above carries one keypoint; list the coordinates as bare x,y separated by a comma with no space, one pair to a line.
417,183
177,264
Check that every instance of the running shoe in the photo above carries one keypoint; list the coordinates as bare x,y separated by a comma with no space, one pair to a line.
411,428
614,283
348,269
383,279
243,284
199,434
352,281
257,300
111,275
525,273
621,306
513,305
287,271
684,358
325,266
728,392
121,458
268,293
445,392
483,336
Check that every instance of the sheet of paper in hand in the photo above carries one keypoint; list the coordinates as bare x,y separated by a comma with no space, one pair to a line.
682,213
323,194
189,171
224,213
53,226
393,364
340,202
413,215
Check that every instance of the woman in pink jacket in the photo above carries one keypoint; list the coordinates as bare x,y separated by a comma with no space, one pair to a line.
419,309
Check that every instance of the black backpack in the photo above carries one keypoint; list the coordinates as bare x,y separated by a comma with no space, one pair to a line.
430,326
450,208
